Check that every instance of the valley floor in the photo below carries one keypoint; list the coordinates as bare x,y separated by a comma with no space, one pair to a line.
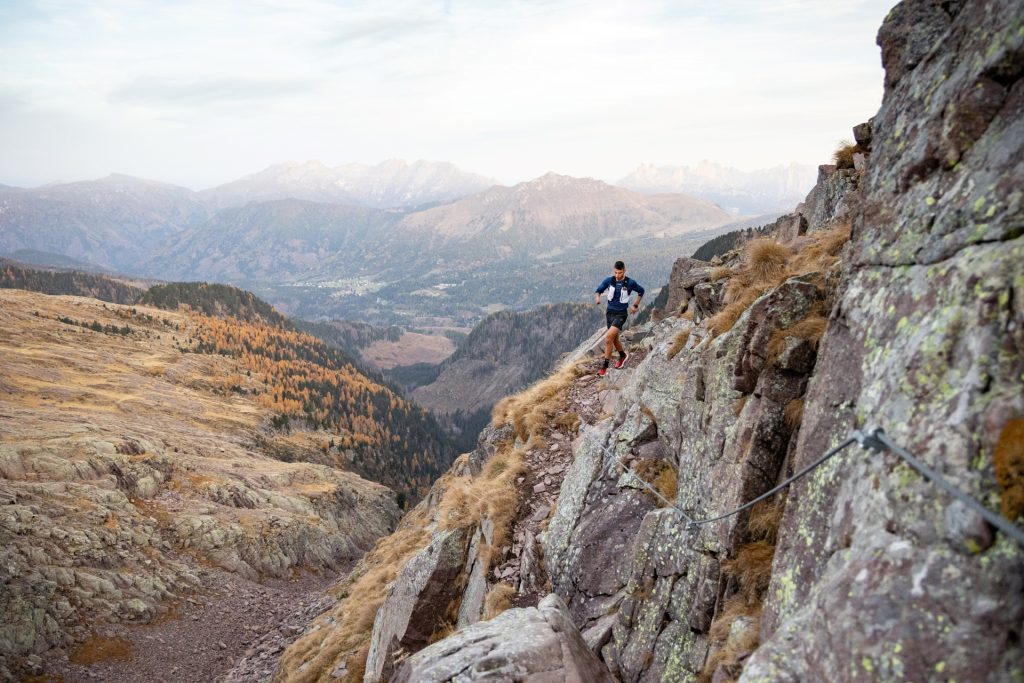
232,630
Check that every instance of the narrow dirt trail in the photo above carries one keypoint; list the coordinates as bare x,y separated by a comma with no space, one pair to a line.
543,482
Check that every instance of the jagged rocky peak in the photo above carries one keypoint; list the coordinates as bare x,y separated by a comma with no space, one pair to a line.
887,298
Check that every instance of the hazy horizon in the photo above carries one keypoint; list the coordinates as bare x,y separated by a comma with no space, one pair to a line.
610,181
198,95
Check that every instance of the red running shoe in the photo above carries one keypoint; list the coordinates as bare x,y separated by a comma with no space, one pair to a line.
602,371
621,361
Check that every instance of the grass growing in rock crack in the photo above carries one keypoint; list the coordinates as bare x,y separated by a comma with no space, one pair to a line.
498,599
678,343
532,411
766,264
342,636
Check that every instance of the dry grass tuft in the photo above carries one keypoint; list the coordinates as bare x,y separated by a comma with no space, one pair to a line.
766,259
498,599
730,651
767,263
765,517
532,412
820,252
687,314
843,156
678,343
1008,459
739,404
794,413
811,328
752,568
661,475
720,272
348,638
443,631
723,321
493,494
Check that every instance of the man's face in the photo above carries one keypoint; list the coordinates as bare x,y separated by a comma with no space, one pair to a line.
619,273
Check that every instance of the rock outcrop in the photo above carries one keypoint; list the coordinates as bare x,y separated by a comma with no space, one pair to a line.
891,297
534,644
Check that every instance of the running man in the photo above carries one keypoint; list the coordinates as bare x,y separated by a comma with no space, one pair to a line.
618,287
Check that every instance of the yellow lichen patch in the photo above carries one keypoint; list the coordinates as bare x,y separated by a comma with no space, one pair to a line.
1008,458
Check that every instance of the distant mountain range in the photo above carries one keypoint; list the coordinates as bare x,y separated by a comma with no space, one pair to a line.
771,190
421,244
390,184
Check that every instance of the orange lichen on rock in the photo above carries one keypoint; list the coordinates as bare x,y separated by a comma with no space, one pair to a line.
1008,458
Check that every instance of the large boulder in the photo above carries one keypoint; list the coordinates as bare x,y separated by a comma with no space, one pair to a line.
532,645
417,603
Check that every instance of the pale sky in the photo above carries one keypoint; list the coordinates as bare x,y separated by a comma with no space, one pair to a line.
202,92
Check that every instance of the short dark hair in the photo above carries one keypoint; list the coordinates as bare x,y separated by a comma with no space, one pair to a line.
619,265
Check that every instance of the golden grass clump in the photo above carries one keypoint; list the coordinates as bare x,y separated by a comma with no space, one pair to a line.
765,517
811,328
498,599
719,272
661,475
731,649
1008,459
794,413
687,314
532,411
493,494
843,156
723,321
752,568
678,343
820,250
766,259
767,263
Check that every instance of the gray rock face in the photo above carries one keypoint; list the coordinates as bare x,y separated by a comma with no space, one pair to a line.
686,273
416,602
532,645
927,342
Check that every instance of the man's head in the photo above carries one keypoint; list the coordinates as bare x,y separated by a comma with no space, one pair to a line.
619,269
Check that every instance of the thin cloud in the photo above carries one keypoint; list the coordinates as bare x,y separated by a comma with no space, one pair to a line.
508,90
157,92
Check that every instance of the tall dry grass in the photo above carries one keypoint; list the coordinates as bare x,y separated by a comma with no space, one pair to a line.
767,264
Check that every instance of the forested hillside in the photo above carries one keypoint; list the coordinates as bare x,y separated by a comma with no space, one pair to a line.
15,276
213,299
366,426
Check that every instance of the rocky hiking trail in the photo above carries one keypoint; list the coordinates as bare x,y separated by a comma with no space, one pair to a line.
591,397
232,632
